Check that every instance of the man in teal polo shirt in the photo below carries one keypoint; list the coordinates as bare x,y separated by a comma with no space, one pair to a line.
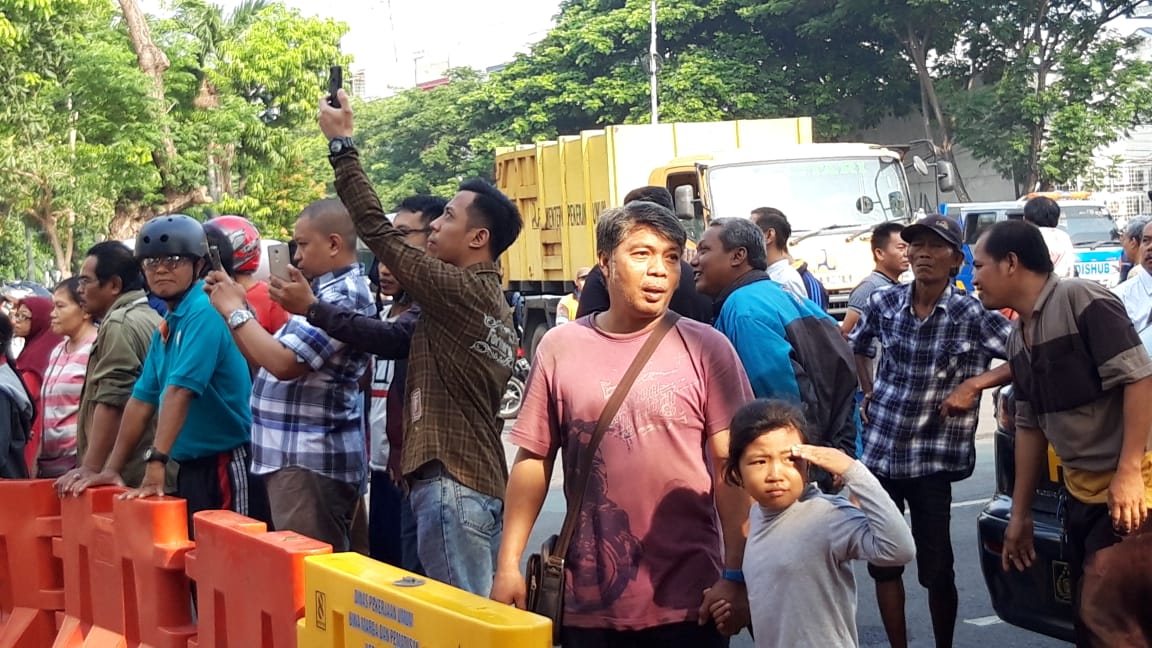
194,375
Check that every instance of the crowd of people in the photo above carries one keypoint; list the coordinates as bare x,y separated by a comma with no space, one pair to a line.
756,452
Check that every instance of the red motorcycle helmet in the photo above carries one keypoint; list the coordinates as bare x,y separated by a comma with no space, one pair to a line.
245,241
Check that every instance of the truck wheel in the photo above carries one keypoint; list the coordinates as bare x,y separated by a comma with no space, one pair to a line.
534,341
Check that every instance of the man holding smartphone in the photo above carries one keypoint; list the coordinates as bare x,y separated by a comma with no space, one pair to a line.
463,350
307,413
246,253
194,377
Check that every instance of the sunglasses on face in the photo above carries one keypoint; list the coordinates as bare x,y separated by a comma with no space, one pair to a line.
169,262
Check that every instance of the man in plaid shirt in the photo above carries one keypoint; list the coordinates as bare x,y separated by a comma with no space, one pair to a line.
307,415
461,357
920,415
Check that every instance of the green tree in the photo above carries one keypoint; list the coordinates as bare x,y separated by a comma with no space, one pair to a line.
69,136
724,59
1055,85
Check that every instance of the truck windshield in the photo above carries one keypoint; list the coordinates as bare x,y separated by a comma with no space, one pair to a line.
1088,224
814,194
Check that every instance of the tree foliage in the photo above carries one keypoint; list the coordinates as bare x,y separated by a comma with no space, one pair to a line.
109,117
1053,84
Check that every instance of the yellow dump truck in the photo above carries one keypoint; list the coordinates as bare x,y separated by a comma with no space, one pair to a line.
833,195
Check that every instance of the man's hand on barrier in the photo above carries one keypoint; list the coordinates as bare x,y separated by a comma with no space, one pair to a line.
508,587
152,486
66,481
102,478
294,295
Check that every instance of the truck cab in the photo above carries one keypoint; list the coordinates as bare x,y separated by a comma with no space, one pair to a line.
1089,224
833,194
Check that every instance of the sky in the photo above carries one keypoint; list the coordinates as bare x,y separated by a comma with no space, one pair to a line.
397,41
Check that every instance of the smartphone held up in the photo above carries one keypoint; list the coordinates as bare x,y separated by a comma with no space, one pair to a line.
335,82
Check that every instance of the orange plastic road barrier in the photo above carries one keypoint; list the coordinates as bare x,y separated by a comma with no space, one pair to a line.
249,583
124,572
356,602
31,578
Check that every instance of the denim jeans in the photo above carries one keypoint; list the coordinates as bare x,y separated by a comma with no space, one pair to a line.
458,530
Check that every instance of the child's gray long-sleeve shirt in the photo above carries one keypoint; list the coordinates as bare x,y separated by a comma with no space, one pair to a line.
797,563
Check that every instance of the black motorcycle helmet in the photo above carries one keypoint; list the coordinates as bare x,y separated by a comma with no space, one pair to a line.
171,235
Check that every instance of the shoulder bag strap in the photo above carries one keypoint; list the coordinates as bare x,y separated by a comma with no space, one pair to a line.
585,471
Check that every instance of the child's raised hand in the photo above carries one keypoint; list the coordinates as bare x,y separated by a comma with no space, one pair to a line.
831,459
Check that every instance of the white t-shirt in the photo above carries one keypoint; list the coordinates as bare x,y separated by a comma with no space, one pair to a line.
1061,250
382,373
784,274
1136,293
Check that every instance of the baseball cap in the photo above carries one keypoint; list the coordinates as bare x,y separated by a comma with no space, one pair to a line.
942,226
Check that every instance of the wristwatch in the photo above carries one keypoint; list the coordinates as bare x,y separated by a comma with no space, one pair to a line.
152,454
340,145
310,312
239,317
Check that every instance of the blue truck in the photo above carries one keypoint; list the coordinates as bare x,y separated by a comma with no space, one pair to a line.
1088,223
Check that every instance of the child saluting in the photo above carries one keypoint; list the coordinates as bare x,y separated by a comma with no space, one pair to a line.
797,564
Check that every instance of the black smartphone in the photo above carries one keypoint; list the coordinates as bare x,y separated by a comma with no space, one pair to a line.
214,252
335,82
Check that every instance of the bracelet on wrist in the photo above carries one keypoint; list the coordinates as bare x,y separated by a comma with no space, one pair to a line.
734,575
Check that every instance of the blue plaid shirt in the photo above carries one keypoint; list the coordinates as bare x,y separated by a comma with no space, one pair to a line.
315,421
922,363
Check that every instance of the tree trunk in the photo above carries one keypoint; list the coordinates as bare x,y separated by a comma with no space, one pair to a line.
918,50
129,216
154,63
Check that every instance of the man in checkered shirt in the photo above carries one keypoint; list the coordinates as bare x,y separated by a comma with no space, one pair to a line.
307,420
921,412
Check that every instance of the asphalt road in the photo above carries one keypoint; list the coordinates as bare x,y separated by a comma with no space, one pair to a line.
977,625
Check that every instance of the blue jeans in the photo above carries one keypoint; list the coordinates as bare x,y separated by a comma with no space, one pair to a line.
457,529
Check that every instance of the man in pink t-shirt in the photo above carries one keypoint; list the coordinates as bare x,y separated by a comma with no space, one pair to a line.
648,540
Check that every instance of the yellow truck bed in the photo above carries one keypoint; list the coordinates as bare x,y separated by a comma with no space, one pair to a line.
562,186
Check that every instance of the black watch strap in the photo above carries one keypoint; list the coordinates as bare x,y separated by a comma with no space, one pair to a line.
152,454
340,146
310,312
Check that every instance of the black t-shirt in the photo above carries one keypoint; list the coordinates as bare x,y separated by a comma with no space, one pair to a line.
686,302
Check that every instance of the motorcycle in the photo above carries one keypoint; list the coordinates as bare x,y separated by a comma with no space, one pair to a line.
514,391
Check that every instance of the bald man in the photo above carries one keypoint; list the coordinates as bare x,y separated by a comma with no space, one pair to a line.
307,431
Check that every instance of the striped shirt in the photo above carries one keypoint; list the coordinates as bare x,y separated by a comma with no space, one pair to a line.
63,384
316,421
1070,383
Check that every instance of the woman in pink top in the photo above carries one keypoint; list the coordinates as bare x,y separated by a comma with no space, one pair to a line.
64,379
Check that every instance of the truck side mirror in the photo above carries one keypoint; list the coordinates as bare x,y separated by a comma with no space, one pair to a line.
685,199
945,176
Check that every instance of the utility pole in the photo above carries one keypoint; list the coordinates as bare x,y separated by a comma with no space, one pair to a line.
653,67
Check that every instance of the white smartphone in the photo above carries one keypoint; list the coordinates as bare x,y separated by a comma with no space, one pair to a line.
278,260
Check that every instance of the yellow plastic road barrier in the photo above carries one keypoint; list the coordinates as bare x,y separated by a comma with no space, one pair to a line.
355,602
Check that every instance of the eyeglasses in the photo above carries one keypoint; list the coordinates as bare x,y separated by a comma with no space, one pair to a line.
169,262
20,317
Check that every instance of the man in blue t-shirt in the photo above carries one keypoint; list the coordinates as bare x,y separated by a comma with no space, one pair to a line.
195,378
